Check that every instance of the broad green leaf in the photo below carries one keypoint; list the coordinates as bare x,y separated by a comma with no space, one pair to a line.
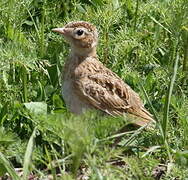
28,155
54,73
37,107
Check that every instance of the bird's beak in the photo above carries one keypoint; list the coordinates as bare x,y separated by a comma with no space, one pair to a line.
63,31
59,30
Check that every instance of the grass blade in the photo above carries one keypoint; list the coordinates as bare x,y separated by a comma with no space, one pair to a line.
24,82
28,155
149,102
152,109
35,25
168,97
9,167
136,15
157,22
42,33
133,136
50,163
150,150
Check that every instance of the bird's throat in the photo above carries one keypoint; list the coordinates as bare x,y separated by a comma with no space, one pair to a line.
83,52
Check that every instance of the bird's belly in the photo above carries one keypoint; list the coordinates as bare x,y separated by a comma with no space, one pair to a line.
73,102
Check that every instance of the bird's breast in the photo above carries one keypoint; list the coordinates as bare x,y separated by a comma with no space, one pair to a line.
73,102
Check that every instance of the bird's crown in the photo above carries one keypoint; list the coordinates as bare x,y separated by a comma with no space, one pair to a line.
84,24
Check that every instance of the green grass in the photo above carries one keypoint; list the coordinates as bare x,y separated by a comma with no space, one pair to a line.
145,42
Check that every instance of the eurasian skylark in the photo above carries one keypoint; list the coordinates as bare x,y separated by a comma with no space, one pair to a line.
88,84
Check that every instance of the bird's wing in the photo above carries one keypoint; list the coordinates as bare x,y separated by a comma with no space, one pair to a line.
104,90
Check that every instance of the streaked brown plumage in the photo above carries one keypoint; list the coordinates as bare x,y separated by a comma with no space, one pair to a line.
88,84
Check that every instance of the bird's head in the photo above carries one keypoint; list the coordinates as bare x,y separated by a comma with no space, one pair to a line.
82,36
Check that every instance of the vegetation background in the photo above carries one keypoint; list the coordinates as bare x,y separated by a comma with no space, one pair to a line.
144,41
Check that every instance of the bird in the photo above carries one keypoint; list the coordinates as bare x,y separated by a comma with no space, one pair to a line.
88,84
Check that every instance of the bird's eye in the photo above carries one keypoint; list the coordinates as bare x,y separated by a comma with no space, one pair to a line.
79,32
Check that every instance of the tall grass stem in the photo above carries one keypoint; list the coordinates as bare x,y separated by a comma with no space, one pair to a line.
168,97
136,14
